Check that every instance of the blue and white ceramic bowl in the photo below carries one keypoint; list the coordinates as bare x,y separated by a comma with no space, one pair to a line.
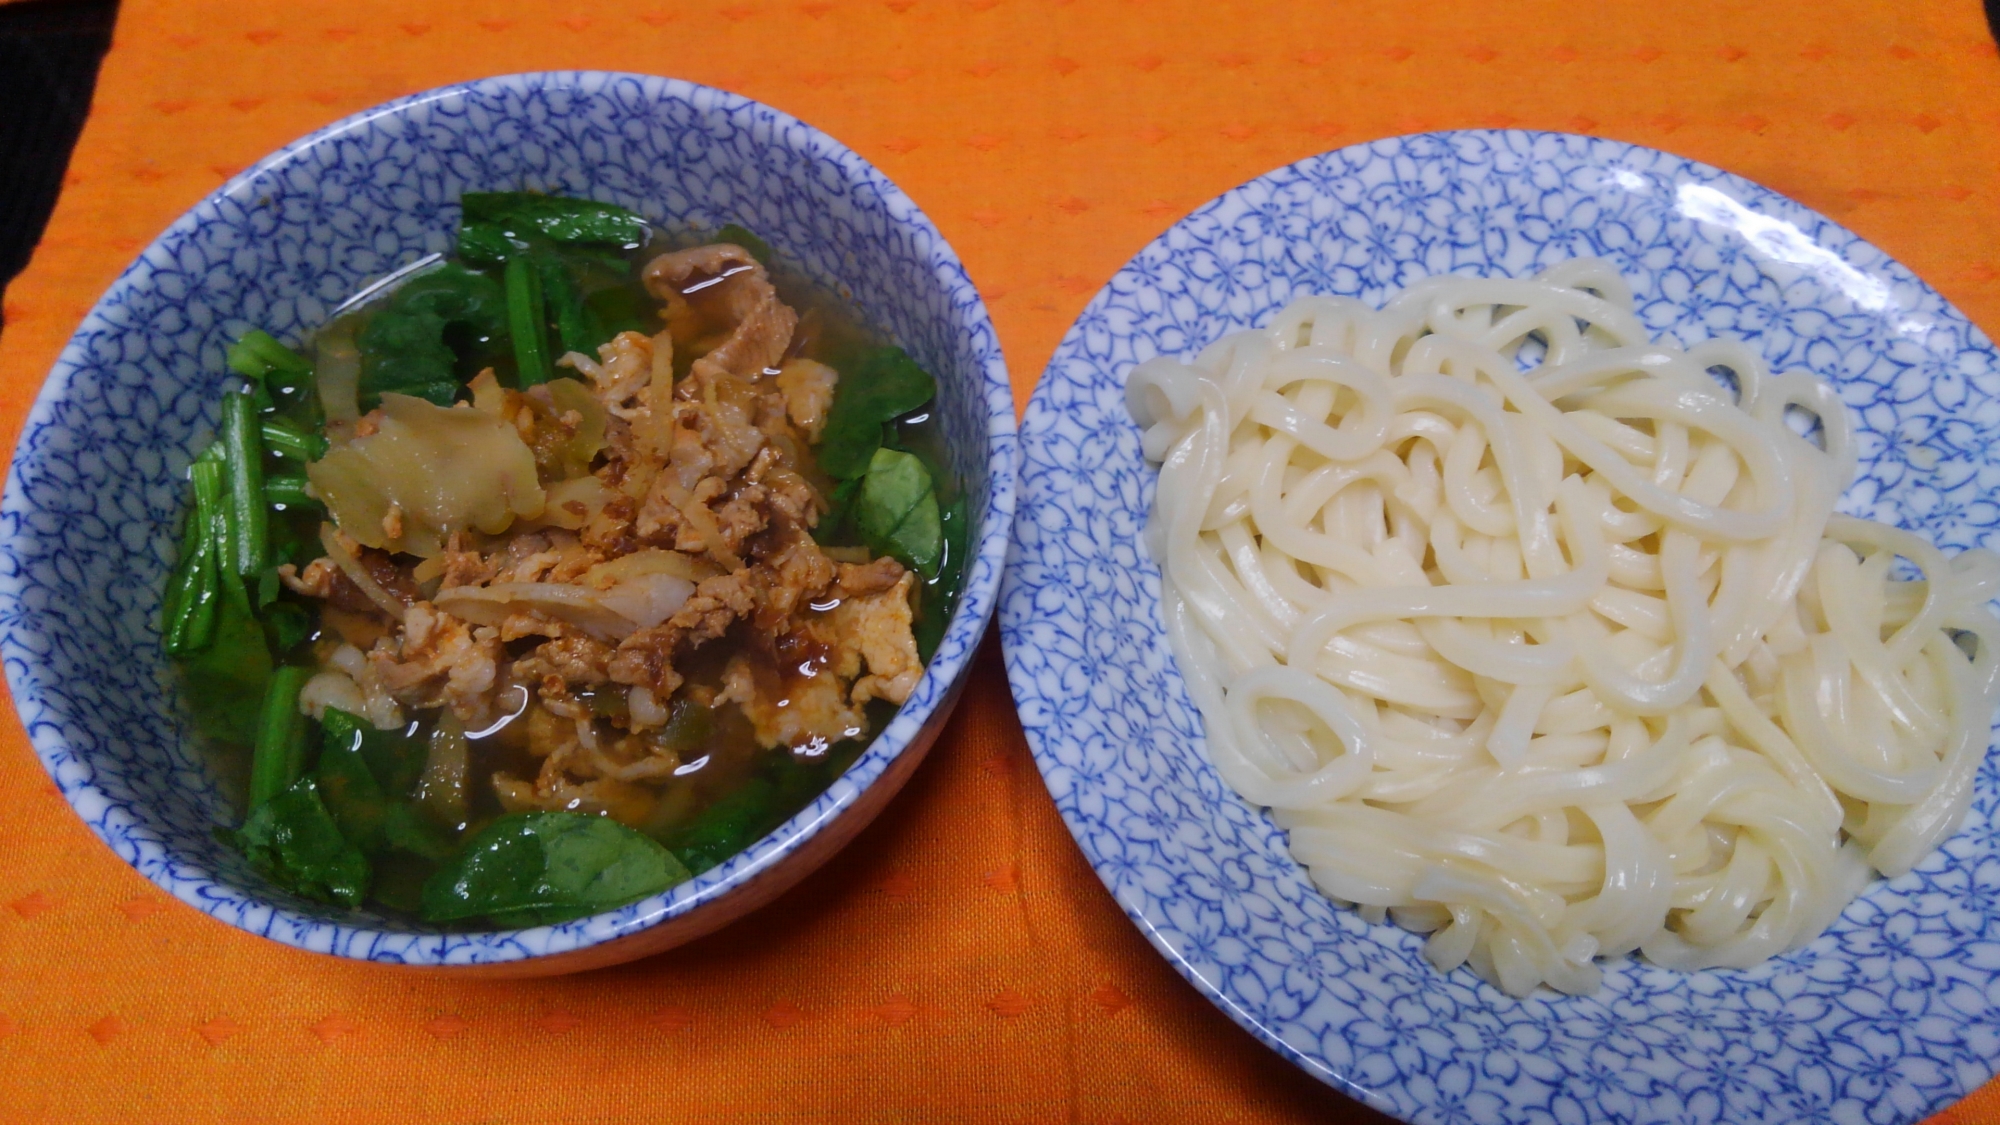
97,478
1889,1016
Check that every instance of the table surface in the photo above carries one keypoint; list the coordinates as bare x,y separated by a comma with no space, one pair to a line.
959,961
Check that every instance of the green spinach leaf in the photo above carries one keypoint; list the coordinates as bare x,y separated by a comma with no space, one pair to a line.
232,671
395,758
732,823
783,784
831,529
744,237
544,867
621,308
872,392
940,594
499,224
372,816
287,625
689,725
896,511
407,345
293,841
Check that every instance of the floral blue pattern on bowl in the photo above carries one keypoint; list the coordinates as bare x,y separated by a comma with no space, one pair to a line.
96,485
1890,1015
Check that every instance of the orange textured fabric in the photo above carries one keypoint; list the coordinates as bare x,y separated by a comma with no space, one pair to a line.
960,962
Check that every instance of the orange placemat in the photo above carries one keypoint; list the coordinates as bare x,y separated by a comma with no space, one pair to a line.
960,961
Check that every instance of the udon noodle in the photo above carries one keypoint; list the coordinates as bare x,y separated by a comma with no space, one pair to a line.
1543,638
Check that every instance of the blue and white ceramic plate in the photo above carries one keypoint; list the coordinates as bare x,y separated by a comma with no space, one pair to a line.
1891,1015
86,526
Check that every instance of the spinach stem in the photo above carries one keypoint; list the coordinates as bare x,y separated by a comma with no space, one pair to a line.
259,353
188,610
289,491
527,318
288,440
210,478
280,755
243,448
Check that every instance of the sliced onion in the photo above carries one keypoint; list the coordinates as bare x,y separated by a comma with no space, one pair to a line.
651,561
648,599
588,491
445,769
492,605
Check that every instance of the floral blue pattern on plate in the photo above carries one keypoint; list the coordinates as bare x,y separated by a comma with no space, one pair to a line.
86,525
1889,1016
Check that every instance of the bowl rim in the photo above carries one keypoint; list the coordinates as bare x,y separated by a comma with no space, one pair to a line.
347,939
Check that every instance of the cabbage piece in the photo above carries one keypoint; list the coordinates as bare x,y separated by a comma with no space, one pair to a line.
441,469
572,457
639,564
587,491
337,373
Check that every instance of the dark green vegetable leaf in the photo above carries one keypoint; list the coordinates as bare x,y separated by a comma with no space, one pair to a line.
369,816
294,842
399,881
784,784
688,727
732,823
895,484
918,541
485,244
268,585
499,224
395,757
831,528
742,236
346,784
940,594
621,308
287,625
538,868
258,354
295,540
896,511
883,385
406,346
232,672
799,778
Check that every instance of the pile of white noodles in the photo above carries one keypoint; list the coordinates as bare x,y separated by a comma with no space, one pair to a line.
1557,660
